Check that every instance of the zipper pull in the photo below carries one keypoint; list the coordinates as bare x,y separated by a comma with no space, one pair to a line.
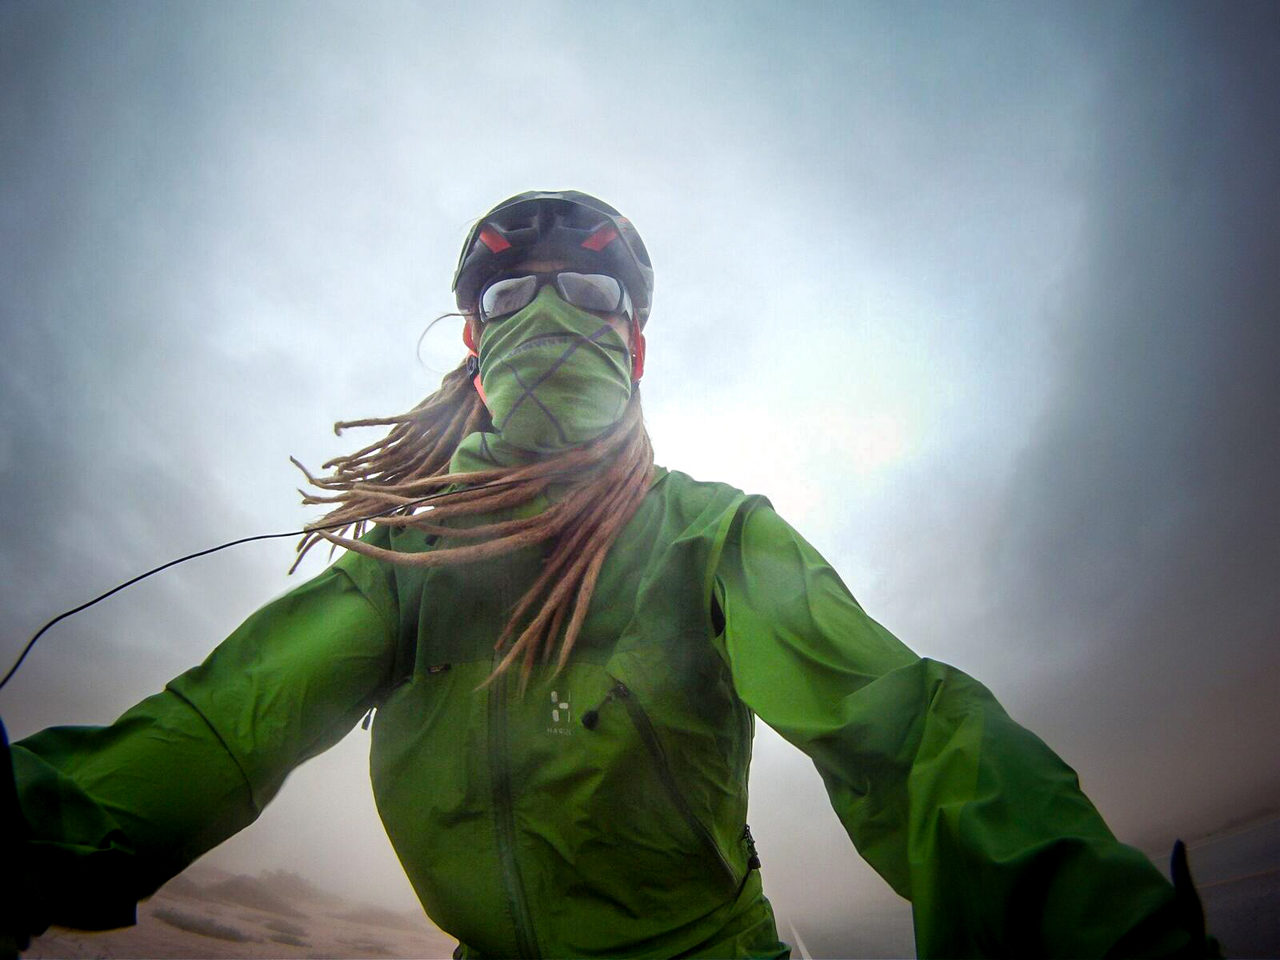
753,858
591,718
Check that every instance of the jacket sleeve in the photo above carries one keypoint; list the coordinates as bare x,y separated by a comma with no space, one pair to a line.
107,814
965,813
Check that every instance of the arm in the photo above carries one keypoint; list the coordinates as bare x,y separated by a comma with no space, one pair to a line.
962,811
107,814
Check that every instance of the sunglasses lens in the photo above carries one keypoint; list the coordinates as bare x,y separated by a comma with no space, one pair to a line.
591,291
505,297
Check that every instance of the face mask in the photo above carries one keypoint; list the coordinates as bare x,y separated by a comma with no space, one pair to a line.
554,376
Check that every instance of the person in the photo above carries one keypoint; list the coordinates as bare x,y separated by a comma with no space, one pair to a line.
562,649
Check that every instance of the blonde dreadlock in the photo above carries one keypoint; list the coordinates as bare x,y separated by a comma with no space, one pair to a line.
603,483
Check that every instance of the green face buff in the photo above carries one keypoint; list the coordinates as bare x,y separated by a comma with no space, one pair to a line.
554,376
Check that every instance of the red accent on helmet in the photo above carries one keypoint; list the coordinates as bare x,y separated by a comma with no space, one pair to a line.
468,337
637,351
495,241
601,238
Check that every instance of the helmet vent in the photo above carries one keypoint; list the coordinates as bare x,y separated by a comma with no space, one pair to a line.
494,241
601,238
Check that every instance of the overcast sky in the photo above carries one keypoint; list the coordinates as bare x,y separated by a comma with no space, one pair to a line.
983,297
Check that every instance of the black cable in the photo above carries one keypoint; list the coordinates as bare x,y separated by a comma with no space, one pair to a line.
223,546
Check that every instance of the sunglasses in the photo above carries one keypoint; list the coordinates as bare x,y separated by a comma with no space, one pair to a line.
597,292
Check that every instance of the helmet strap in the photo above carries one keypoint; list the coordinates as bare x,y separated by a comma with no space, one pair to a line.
637,351
473,360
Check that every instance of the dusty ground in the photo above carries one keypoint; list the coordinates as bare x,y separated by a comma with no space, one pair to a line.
209,913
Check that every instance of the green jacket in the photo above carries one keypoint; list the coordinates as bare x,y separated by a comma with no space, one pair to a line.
604,812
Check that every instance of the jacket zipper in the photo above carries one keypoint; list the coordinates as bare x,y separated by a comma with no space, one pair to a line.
500,771
653,745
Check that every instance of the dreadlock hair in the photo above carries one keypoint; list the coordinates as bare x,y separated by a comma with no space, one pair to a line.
599,486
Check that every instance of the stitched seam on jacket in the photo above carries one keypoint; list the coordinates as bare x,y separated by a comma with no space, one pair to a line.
248,784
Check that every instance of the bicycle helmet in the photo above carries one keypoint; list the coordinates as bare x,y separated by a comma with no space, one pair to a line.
554,225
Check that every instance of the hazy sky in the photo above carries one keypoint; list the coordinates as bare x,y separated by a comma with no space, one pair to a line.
983,297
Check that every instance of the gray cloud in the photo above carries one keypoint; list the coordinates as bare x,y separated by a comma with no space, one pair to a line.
1140,535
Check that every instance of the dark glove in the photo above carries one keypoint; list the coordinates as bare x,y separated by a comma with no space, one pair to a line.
1188,903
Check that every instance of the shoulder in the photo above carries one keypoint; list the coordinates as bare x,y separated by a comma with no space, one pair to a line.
742,523
684,508
678,495
677,487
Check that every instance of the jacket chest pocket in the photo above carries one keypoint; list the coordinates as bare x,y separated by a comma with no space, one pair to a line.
645,769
